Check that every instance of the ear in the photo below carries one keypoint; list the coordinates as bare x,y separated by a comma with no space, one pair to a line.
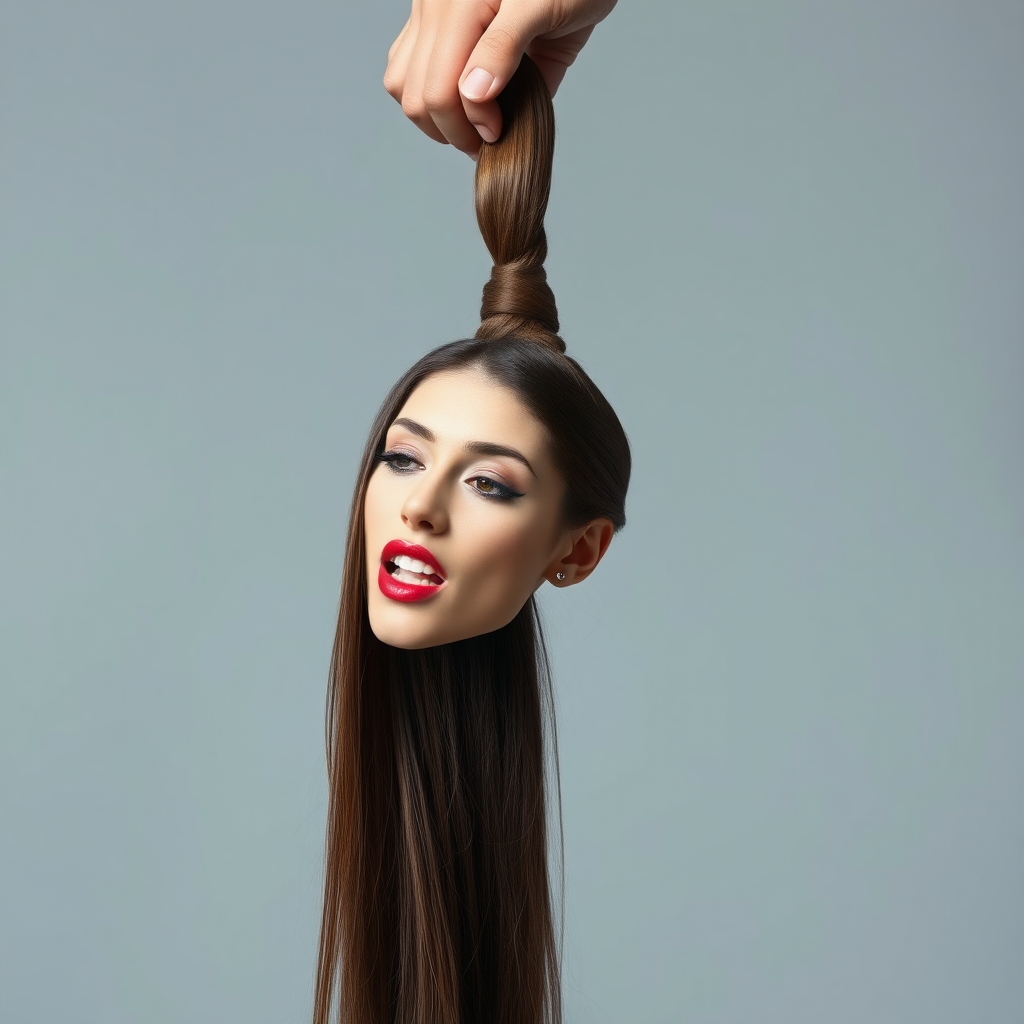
589,543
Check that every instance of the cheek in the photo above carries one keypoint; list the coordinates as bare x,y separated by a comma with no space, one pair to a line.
514,552
521,555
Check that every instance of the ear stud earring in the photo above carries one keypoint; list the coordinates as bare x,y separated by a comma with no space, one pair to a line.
559,575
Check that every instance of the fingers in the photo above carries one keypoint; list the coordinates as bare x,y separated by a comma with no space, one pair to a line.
398,42
438,51
423,68
491,64
494,59
458,119
453,58
406,69
400,52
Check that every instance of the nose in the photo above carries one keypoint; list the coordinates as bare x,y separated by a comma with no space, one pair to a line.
425,507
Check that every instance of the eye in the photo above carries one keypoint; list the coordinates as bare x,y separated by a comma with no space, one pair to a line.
492,489
398,462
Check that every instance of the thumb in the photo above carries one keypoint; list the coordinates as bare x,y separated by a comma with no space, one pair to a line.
489,68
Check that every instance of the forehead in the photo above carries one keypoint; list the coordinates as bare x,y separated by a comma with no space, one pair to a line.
467,405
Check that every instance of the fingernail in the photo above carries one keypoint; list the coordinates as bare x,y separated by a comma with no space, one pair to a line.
476,85
485,133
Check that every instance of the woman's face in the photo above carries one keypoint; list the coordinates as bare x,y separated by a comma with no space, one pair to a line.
462,515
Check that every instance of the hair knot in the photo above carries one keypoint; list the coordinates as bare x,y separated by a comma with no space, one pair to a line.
518,302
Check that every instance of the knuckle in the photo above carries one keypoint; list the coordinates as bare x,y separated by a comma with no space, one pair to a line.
437,99
393,85
499,40
414,109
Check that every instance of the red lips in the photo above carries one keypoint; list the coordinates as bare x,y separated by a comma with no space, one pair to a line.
396,589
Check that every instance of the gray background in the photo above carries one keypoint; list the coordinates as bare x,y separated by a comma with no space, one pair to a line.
786,239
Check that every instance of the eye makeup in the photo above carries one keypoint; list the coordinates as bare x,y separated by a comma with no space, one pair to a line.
493,490
392,459
487,487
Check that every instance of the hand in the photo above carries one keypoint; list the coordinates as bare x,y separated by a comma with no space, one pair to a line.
455,56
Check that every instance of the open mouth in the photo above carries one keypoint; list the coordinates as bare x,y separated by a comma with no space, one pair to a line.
412,571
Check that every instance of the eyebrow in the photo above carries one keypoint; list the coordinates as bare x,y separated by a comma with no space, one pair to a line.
480,447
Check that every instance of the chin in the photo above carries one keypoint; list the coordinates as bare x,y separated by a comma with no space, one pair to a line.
403,631
406,641
417,636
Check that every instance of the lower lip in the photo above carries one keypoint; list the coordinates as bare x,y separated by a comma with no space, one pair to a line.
399,591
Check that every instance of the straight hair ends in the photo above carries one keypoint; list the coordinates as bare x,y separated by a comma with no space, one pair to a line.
437,903
437,906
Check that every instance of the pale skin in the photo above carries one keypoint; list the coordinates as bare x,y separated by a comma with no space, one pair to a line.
453,58
443,493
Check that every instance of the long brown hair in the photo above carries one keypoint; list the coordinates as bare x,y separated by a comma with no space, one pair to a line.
437,906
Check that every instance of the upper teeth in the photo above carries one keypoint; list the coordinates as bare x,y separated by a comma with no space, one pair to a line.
413,564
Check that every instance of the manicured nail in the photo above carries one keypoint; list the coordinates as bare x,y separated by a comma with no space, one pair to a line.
485,133
476,85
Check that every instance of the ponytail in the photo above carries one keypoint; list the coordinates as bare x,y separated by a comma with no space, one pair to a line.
513,180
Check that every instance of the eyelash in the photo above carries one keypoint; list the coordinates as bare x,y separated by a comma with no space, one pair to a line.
500,492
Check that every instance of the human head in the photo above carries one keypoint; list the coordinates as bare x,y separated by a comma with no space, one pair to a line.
522,395
516,349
